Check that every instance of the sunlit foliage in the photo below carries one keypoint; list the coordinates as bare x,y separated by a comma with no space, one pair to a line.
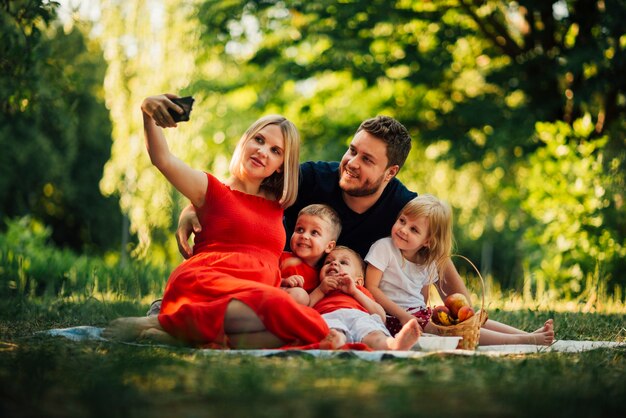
54,129
516,110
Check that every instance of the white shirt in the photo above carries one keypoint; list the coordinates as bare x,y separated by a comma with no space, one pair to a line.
402,280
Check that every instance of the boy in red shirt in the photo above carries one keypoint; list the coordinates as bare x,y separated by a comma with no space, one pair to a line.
349,308
314,236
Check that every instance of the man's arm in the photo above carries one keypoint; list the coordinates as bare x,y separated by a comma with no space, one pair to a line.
188,223
450,281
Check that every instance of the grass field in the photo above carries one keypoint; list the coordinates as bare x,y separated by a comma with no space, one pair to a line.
53,377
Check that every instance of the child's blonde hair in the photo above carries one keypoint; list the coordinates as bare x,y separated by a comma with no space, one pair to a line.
326,213
284,185
439,215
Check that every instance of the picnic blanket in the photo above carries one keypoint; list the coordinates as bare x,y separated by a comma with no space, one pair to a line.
83,333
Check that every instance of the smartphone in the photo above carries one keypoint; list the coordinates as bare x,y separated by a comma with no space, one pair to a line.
186,103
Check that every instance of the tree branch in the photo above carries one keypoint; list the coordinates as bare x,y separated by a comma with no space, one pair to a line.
493,29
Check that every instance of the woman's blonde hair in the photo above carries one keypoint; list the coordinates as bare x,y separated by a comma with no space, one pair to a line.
439,215
282,186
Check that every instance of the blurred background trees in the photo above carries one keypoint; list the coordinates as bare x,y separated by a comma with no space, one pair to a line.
516,110
55,132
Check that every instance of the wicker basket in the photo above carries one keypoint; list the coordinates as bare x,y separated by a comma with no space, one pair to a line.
470,328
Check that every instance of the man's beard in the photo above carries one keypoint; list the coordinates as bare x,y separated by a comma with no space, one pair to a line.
365,190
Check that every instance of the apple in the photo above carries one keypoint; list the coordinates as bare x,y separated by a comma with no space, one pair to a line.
464,313
454,302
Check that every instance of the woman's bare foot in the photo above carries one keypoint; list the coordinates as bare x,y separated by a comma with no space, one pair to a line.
406,337
130,329
333,340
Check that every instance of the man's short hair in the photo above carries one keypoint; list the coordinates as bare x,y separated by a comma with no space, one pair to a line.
393,133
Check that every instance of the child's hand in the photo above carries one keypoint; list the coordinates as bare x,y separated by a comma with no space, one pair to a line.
329,283
346,284
292,281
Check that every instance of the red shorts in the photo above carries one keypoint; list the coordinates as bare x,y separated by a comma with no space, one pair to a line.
423,316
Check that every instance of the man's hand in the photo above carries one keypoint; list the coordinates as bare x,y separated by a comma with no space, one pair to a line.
188,223
292,281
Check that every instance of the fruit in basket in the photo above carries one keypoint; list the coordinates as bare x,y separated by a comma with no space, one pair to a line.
464,313
454,302
441,316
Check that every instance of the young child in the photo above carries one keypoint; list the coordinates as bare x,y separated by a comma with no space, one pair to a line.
315,235
349,308
402,266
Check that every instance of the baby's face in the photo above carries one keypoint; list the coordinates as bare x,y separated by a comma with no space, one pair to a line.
312,238
342,261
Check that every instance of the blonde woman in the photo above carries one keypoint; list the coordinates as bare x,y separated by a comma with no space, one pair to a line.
227,294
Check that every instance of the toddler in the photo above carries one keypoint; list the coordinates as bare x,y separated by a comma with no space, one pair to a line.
349,308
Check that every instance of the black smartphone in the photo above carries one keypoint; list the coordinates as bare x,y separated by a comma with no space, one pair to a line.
186,103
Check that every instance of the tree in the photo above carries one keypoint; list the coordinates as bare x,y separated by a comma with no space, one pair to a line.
54,128
470,79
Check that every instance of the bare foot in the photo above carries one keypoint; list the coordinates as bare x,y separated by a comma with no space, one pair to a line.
130,329
333,340
545,334
406,337
543,338
548,325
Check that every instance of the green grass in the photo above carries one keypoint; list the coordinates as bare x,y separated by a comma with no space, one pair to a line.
43,288
52,377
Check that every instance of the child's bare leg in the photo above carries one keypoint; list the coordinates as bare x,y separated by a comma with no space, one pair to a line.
130,329
376,340
501,328
489,337
333,340
298,294
404,339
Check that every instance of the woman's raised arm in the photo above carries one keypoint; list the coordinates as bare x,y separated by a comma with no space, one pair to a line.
190,182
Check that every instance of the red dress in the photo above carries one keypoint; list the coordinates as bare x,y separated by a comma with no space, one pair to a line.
235,257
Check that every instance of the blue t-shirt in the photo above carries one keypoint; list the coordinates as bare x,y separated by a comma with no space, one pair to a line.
319,183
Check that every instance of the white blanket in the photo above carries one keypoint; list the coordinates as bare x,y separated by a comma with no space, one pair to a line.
562,346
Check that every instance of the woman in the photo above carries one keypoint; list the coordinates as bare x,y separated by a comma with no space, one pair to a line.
228,293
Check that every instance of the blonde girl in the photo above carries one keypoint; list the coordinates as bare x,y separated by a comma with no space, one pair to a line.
401,268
